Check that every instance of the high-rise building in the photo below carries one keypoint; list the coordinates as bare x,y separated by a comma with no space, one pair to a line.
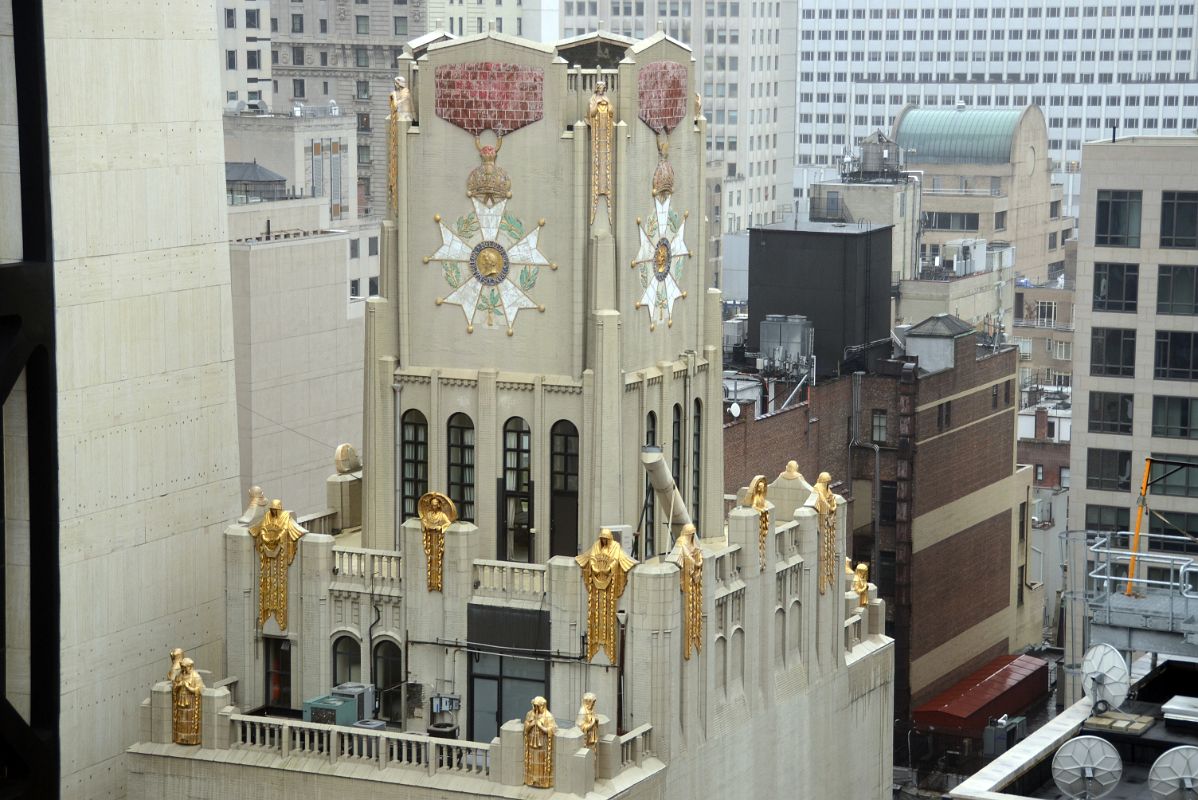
243,38
745,53
1090,66
344,60
116,376
1136,355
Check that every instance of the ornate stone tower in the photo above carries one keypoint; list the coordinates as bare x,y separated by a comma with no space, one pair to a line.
543,311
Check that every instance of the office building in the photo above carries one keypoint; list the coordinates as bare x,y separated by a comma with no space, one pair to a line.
1134,366
243,38
509,370
1090,66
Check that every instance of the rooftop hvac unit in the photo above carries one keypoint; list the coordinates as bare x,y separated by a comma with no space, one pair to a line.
1002,734
330,710
360,693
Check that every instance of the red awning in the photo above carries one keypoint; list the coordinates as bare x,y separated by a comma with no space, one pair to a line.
1006,685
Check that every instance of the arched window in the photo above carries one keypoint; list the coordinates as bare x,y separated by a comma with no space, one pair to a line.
347,660
676,448
388,679
461,465
696,458
414,451
517,487
563,494
650,504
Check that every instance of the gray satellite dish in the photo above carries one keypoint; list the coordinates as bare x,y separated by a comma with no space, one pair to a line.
1174,776
1087,768
1105,678
734,410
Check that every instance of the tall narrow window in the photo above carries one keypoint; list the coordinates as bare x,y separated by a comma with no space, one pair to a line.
461,465
1117,219
650,504
278,671
563,497
414,450
696,458
676,447
388,679
347,660
517,486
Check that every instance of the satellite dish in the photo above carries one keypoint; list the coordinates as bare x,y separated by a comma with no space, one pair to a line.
1174,776
1087,767
1104,677
734,410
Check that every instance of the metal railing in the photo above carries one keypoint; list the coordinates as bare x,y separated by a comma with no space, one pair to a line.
1106,594
340,744
1036,322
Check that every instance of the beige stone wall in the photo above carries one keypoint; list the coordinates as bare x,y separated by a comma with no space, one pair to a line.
10,162
299,364
147,421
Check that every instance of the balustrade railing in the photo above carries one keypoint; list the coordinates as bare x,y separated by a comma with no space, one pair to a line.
377,570
635,745
336,743
509,579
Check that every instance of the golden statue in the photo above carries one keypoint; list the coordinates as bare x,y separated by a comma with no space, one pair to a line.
176,664
663,176
487,181
539,730
588,721
755,499
690,574
437,512
825,506
275,538
187,709
861,585
601,117
605,573
401,109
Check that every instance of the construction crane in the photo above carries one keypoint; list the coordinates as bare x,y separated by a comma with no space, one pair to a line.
1142,503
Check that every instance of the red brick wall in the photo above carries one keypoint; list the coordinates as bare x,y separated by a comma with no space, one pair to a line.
959,582
1051,455
952,466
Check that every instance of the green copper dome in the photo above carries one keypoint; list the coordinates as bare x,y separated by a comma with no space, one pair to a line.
958,135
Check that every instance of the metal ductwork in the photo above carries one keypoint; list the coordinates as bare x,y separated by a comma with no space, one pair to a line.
669,499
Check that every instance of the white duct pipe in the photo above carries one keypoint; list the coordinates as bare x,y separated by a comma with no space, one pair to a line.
669,499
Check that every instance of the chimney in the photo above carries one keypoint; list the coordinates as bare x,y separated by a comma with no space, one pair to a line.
1041,423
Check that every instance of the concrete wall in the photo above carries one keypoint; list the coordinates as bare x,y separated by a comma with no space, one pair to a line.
299,364
10,162
147,421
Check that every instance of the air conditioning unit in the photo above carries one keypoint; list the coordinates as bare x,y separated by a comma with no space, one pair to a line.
360,693
330,710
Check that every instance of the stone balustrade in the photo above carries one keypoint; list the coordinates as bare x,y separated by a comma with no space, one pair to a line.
509,580
373,571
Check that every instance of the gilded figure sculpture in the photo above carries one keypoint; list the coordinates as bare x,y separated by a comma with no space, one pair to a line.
663,176
187,692
861,585
275,538
176,664
755,499
488,182
605,570
825,506
539,730
601,117
588,721
690,575
437,512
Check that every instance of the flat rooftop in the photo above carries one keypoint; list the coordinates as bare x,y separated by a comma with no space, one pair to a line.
836,228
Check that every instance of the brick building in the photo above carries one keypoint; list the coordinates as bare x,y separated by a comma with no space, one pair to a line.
950,496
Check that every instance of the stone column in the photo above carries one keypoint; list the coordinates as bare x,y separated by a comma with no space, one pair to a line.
573,764
653,642
511,754
309,619
161,708
606,470
214,730
241,613
379,410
